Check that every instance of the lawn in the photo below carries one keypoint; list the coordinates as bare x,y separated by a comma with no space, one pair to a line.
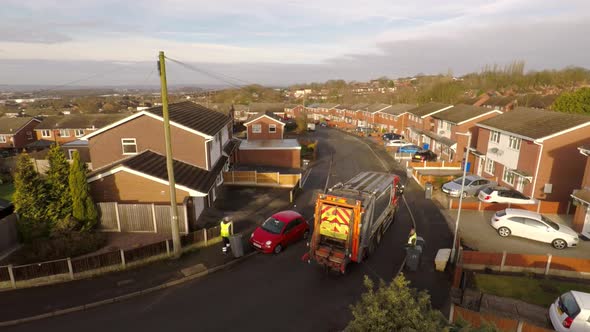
6,191
541,292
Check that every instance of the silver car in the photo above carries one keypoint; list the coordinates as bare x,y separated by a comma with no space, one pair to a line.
473,184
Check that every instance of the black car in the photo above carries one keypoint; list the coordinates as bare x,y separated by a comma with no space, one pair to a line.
391,136
424,155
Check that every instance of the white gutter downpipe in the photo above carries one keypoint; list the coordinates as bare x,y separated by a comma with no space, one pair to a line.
536,173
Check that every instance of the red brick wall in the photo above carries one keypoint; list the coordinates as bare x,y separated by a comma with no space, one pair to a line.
106,147
265,134
124,187
276,158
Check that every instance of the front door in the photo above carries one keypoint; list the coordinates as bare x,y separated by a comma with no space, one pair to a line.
479,166
586,228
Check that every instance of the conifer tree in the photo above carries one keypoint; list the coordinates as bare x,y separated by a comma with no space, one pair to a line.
60,199
30,199
83,208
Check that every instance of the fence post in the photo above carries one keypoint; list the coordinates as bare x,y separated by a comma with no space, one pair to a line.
503,260
117,215
278,178
520,326
167,248
154,218
255,177
122,258
185,212
450,203
479,206
233,180
451,313
443,163
11,274
538,206
70,268
205,235
548,266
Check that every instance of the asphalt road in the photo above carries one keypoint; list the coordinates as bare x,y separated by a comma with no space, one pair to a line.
280,292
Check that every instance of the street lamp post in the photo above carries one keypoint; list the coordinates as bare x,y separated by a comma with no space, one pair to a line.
468,134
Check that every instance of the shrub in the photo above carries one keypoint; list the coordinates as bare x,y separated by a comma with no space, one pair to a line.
61,246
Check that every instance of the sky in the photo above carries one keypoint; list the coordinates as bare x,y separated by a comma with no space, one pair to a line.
271,42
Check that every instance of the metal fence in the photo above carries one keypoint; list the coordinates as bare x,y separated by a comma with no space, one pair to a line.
140,218
19,276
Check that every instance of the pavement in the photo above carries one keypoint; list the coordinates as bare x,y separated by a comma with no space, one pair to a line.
264,292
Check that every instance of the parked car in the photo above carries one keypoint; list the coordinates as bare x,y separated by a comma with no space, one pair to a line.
534,226
504,195
311,126
473,184
396,142
571,312
278,231
424,155
391,136
409,148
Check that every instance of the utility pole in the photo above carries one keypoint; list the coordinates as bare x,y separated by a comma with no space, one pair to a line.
169,162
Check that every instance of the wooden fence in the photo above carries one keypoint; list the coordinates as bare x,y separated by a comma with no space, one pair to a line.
75,268
539,264
477,319
541,206
253,178
139,218
434,165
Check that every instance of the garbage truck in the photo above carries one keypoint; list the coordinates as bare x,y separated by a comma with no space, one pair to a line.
351,218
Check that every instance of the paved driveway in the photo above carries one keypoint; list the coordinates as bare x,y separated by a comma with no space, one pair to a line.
477,233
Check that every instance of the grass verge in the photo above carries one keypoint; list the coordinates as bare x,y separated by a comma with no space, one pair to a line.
537,291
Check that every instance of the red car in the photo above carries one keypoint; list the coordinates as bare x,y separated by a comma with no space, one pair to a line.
279,231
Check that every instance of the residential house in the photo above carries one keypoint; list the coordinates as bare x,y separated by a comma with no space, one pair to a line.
448,138
500,103
17,133
129,156
534,151
64,129
420,122
265,145
536,101
392,118
582,198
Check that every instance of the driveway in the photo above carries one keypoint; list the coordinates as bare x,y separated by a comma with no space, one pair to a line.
477,233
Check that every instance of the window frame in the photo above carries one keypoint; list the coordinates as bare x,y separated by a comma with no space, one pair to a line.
514,143
492,164
495,136
64,131
45,131
3,139
507,174
272,128
78,131
123,144
256,128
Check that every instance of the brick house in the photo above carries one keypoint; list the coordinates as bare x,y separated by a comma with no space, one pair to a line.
582,198
393,118
129,160
445,141
500,103
420,121
265,145
64,129
16,133
534,151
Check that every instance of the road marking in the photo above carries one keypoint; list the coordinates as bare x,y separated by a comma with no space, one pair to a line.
306,177
329,173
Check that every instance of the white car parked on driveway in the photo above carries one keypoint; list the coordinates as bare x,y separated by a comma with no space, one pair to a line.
397,142
534,226
571,312
504,195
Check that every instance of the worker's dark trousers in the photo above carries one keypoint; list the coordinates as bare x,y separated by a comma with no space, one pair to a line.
225,244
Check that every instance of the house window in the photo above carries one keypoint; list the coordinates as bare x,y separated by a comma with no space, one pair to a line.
129,145
495,136
79,132
256,128
508,176
514,143
2,139
45,133
29,135
272,128
64,133
490,166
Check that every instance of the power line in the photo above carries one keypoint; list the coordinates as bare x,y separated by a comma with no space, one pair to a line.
217,76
